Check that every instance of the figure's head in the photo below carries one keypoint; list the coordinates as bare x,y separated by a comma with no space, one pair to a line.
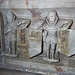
52,16
9,16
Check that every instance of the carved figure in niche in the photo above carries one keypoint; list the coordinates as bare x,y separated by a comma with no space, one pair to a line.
50,27
12,23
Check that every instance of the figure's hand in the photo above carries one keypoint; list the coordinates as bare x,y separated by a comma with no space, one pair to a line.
24,21
67,24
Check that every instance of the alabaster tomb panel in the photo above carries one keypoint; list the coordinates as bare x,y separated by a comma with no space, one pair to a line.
24,39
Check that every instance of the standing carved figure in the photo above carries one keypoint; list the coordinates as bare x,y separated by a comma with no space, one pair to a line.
50,28
12,23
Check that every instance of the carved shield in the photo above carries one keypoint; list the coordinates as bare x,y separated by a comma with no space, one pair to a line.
29,42
66,42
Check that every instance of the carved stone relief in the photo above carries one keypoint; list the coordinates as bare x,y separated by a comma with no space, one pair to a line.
66,42
12,23
21,38
29,42
50,26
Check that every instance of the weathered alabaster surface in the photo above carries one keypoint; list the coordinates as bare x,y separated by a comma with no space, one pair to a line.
11,25
50,28
29,41
66,42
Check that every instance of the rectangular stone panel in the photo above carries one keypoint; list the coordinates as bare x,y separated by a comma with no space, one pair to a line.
29,42
66,42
